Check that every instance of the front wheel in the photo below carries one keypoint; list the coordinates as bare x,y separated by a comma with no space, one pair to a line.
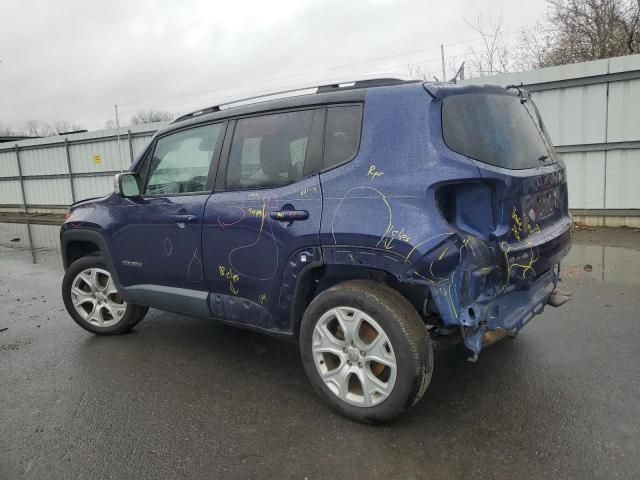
366,350
93,301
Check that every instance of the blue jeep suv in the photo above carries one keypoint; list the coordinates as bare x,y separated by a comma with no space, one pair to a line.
364,221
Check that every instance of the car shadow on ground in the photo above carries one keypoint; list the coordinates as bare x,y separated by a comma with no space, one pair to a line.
505,381
187,378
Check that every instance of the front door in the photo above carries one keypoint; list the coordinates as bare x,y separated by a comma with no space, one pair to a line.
262,224
157,240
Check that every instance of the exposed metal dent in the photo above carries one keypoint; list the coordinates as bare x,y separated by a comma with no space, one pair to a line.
488,291
506,312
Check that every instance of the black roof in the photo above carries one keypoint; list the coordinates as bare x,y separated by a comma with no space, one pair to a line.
335,93
14,138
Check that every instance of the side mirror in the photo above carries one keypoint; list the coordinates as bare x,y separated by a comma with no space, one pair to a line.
126,185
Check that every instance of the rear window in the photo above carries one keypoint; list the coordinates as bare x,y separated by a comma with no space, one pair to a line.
495,129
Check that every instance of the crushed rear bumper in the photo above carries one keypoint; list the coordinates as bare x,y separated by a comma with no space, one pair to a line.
491,290
508,312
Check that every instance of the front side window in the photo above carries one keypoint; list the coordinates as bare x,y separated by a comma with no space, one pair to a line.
342,136
181,161
269,150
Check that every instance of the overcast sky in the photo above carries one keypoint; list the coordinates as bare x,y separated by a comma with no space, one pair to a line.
73,60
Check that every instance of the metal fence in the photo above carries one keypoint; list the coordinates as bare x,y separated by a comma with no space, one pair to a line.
48,174
592,112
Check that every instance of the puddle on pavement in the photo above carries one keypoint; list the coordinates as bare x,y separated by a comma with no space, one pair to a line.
601,263
43,249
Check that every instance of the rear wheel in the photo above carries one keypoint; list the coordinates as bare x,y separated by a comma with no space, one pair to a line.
93,301
366,350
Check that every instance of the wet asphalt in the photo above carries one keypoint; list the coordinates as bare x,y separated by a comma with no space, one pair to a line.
181,397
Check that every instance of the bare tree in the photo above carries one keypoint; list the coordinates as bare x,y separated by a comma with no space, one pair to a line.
64,126
574,31
110,124
7,131
149,116
532,47
418,72
494,55
584,30
37,128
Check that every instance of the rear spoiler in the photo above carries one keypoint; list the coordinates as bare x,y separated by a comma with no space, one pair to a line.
439,90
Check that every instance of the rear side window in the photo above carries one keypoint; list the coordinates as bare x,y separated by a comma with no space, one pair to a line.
269,150
181,161
342,134
495,129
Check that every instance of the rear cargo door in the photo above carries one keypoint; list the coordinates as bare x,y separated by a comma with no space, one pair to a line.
503,132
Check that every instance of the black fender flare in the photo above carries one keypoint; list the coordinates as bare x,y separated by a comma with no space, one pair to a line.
90,236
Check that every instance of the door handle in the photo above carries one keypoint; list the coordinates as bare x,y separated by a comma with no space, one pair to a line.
184,218
289,215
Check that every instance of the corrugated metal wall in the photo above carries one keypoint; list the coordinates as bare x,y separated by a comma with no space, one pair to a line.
56,171
592,112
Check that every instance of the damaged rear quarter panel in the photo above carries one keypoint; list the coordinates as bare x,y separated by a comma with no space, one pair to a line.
380,211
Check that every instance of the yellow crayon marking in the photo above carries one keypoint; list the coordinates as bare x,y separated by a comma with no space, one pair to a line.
374,172
422,243
440,279
397,233
536,229
453,308
308,190
517,224
255,212
226,272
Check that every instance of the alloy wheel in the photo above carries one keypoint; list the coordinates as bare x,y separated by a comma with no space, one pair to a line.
354,356
96,299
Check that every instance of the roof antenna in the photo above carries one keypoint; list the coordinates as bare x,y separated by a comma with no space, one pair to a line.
459,74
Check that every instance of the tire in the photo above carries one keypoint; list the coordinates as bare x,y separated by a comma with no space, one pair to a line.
366,308
88,283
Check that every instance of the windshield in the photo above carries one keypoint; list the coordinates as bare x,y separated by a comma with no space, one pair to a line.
496,129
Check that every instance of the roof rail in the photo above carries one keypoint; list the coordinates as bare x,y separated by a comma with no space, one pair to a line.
197,113
375,82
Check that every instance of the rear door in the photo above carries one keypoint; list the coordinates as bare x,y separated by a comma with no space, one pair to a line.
262,224
157,237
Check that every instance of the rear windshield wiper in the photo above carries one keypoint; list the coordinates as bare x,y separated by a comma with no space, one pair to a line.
518,88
